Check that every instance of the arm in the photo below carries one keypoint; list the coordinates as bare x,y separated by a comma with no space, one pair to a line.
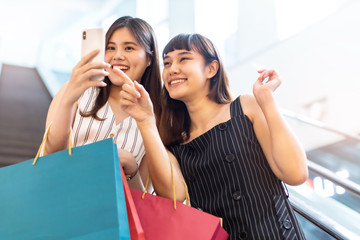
138,174
61,118
136,102
283,151
158,159
64,105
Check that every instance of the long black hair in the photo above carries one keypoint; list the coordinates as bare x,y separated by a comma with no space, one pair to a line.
175,120
151,79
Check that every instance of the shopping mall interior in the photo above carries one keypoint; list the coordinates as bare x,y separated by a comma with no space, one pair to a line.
314,45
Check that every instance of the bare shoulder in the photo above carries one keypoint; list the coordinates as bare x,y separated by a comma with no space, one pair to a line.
249,106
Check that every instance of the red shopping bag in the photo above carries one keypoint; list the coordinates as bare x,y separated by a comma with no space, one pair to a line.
160,220
164,219
136,230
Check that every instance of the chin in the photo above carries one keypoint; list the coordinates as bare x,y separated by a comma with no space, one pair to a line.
116,81
175,97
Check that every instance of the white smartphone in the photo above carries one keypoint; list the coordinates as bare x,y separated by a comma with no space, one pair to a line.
94,38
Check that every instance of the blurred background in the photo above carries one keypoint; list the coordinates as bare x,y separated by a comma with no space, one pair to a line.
313,44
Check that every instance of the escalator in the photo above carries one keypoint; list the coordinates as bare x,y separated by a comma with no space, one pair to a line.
24,101
328,204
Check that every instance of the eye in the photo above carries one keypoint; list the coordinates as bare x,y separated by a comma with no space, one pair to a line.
183,59
110,48
129,48
166,64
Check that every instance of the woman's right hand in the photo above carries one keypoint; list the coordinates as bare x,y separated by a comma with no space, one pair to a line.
135,100
80,77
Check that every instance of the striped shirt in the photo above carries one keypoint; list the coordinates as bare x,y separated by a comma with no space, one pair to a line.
88,130
228,176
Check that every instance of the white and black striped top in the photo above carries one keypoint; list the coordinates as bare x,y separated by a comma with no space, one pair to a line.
228,176
88,130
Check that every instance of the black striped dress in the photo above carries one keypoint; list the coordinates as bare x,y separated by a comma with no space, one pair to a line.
228,176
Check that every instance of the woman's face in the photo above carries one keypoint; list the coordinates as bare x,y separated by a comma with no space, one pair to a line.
125,53
185,74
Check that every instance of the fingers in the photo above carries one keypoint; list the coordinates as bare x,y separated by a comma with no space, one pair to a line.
126,98
129,95
84,70
141,89
85,63
123,76
88,57
95,72
131,90
269,79
95,65
264,73
97,84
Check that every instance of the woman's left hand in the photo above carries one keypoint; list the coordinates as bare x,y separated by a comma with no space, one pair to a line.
128,162
263,86
271,84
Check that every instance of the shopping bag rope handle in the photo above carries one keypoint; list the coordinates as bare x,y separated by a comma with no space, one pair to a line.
187,198
43,144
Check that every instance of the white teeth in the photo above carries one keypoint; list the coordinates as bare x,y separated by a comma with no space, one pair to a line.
121,67
176,81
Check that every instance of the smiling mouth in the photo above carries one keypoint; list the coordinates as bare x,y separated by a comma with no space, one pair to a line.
176,81
121,67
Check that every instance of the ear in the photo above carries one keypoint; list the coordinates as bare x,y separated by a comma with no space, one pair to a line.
148,62
212,68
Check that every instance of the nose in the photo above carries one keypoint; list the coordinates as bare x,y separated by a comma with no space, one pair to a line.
174,69
118,55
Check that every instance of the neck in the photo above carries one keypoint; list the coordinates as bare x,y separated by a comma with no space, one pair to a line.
203,113
115,93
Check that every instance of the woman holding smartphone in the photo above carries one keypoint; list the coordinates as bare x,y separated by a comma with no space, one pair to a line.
234,153
91,109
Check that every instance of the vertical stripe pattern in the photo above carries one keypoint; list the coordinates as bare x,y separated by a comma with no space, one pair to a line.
88,130
228,176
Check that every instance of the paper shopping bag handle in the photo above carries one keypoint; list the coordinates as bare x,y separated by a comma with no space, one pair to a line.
43,144
187,198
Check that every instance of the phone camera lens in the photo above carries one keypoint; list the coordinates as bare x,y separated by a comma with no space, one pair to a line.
84,35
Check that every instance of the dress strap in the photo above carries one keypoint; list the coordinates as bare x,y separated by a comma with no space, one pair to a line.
235,108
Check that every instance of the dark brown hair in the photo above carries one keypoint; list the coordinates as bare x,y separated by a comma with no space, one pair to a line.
175,120
151,79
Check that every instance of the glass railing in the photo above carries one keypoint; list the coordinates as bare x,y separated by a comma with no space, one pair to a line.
328,203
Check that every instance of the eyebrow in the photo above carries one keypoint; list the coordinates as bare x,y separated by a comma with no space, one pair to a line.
180,54
125,43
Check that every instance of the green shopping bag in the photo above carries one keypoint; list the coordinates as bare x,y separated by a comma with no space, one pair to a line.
65,197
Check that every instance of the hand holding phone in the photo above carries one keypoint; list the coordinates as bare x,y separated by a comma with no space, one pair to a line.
93,39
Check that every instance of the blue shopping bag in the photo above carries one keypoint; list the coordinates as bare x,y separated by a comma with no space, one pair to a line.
65,197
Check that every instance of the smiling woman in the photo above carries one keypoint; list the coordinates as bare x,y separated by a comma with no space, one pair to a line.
92,108
125,53
233,153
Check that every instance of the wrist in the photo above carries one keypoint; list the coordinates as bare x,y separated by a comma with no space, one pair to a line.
146,123
131,176
67,101
264,98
